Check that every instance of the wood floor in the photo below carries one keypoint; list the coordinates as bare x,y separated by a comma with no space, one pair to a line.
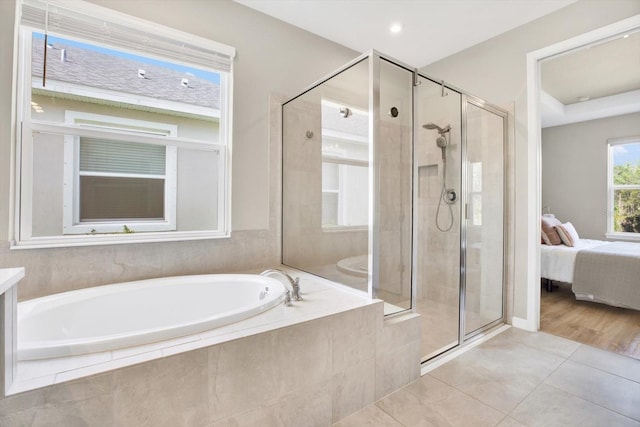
598,325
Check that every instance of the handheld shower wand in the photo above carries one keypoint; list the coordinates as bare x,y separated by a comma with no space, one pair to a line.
442,143
447,195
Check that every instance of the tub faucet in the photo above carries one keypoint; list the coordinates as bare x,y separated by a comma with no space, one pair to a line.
295,283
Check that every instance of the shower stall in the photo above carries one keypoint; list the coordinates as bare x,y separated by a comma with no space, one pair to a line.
394,184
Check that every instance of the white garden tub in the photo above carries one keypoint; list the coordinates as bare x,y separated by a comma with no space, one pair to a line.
133,313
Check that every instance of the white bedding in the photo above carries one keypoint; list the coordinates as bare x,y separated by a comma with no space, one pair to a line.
557,261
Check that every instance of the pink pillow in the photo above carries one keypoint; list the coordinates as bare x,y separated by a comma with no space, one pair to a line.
545,238
549,229
568,234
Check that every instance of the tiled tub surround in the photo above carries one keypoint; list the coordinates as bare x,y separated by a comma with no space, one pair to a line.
310,364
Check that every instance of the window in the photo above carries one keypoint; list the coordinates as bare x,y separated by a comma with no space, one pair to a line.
624,188
345,161
116,186
124,129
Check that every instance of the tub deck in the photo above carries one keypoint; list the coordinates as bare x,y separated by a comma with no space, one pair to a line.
321,298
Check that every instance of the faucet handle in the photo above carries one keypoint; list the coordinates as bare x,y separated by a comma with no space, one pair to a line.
296,290
287,298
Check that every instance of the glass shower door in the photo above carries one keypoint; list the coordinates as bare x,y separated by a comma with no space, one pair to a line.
484,222
438,145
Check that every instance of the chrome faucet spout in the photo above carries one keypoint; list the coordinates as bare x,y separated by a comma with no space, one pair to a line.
294,283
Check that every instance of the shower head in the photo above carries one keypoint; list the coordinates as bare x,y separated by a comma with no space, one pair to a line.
441,131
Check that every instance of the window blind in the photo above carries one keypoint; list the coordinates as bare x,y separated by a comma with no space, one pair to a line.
76,20
97,155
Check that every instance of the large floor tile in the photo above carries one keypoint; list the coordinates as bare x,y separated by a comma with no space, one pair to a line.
602,388
617,364
371,416
499,373
510,422
548,406
430,402
540,340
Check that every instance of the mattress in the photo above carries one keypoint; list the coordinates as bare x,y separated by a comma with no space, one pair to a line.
557,262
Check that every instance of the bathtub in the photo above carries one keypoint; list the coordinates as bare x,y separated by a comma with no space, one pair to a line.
355,265
109,317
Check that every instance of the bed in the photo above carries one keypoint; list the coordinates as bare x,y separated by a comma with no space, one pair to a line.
599,271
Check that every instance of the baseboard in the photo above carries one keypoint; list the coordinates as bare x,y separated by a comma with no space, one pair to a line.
520,323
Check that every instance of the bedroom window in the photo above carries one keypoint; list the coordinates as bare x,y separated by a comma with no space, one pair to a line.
624,188
124,129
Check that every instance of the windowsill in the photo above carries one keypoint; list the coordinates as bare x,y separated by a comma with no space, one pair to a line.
92,240
343,229
631,237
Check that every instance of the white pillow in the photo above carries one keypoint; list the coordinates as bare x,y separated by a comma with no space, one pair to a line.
568,234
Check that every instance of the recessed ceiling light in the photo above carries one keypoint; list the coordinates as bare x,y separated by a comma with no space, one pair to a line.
626,36
395,28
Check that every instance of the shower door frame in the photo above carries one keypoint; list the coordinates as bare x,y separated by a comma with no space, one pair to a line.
465,98
480,103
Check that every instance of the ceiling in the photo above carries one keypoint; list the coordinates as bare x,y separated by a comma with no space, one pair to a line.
431,29
595,81
607,73
605,69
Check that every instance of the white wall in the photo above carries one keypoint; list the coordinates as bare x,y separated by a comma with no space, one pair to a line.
574,170
496,71
274,61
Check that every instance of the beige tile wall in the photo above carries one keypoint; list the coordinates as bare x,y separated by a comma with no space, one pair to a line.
312,373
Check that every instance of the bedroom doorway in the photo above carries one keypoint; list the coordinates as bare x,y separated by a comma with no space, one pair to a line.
558,303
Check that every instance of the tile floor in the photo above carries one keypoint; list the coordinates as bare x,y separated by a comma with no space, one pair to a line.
517,378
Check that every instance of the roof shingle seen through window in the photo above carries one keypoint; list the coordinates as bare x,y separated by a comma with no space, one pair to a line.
110,72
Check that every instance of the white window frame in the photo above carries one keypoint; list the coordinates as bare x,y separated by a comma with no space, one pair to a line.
26,126
342,183
611,188
339,157
472,204
71,180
